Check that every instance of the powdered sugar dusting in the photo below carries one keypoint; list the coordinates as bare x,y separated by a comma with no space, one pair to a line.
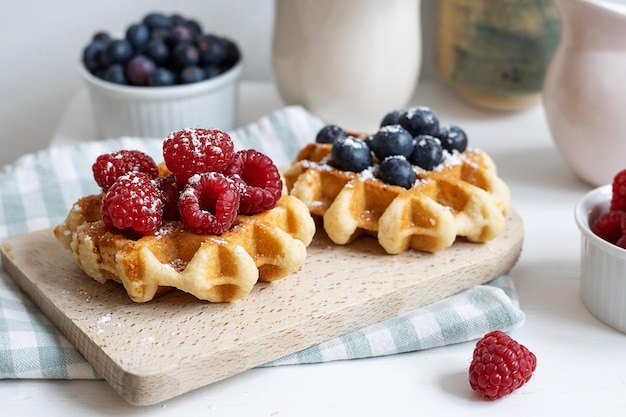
391,129
104,319
368,174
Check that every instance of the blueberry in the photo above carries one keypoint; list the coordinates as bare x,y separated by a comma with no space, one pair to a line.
184,55
160,34
329,134
115,74
191,74
453,138
139,69
392,117
350,154
138,34
158,51
179,34
396,170
369,141
118,51
420,121
212,49
392,140
194,26
427,153
212,71
161,77
157,20
101,37
91,55
232,54
178,19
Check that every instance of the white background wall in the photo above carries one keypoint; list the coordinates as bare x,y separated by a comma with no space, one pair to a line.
41,42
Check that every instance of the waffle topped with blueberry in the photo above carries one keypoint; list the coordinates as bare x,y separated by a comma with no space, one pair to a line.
209,220
412,184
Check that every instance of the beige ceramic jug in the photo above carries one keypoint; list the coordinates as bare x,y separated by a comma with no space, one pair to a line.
349,61
584,91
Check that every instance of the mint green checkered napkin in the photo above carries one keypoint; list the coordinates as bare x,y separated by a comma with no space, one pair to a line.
37,191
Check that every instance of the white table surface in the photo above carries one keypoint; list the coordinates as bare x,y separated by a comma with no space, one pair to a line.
581,362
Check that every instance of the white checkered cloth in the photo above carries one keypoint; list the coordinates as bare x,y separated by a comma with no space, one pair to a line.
37,191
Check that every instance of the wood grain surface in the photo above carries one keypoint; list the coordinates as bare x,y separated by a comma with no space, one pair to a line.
158,350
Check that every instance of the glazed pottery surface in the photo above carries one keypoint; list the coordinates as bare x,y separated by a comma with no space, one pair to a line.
495,52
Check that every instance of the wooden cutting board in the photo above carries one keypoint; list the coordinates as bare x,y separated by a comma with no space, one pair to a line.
154,351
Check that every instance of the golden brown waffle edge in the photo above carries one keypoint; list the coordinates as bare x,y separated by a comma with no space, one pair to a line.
217,268
463,197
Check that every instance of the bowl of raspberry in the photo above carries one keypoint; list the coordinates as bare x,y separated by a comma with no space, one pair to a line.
601,217
164,73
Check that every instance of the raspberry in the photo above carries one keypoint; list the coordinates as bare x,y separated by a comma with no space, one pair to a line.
169,195
133,205
110,166
618,200
258,180
193,151
500,365
209,202
609,225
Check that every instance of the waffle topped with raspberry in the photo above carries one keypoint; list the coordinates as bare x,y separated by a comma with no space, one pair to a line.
413,184
209,220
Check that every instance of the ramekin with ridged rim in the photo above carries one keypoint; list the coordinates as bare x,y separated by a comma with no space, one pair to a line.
154,112
603,265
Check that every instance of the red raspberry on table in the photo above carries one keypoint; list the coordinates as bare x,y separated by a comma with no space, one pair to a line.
208,204
110,166
618,199
500,365
193,151
258,179
609,225
133,205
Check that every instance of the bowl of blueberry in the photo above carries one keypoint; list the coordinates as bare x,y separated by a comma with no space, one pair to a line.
163,74
601,218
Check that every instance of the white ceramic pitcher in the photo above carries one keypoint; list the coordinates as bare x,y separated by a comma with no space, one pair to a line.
584,91
348,61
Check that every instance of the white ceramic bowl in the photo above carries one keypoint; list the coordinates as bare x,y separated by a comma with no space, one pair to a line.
603,265
154,112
